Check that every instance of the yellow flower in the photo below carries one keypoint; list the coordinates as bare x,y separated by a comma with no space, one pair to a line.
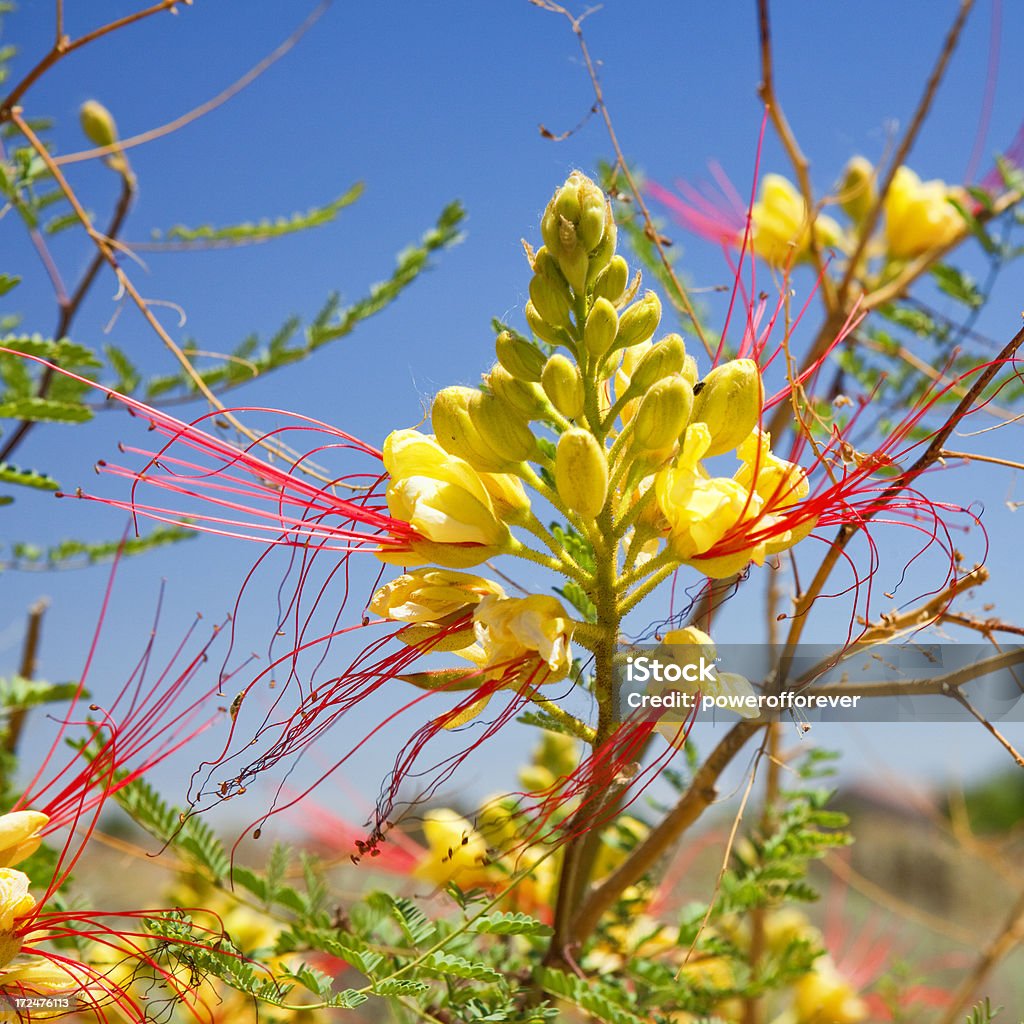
700,510
919,216
780,221
511,628
455,852
19,835
825,997
444,500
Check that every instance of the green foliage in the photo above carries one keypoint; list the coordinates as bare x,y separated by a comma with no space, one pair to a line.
27,478
602,1000
266,229
186,833
77,554
250,359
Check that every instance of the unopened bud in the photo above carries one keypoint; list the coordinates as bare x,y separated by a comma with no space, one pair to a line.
519,357
522,395
857,193
593,220
547,266
97,123
550,301
664,358
729,401
639,321
575,226
456,432
612,281
603,253
581,472
544,329
502,429
663,413
563,384
601,327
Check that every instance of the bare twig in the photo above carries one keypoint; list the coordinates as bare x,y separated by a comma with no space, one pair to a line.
650,230
70,305
204,108
27,670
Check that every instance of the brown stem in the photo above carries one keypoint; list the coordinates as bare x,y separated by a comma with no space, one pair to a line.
27,670
63,46
691,805
70,305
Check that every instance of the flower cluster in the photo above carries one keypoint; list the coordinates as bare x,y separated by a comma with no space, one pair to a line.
919,217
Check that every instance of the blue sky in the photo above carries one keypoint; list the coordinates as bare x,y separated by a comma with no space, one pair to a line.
426,103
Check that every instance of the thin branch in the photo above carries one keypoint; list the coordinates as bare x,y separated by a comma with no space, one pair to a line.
29,653
70,305
801,165
204,108
906,144
650,230
1009,936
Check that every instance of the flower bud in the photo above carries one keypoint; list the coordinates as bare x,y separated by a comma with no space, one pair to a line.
639,321
575,225
546,266
544,329
601,326
661,360
603,253
857,193
612,281
729,401
522,395
563,384
501,428
663,413
97,123
456,432
550,301
581,472
523,360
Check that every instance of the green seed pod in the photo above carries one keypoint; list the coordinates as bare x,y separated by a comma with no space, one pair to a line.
456,432
857,193
612,281
563,384
550,301
639,321
599,331
729,401
502,429
581,472
662,359
97,123
544,329
523,360
663,413
522,395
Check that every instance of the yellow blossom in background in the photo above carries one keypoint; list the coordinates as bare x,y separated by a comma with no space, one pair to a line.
455,851
15,899
919,216
780,223
824,996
